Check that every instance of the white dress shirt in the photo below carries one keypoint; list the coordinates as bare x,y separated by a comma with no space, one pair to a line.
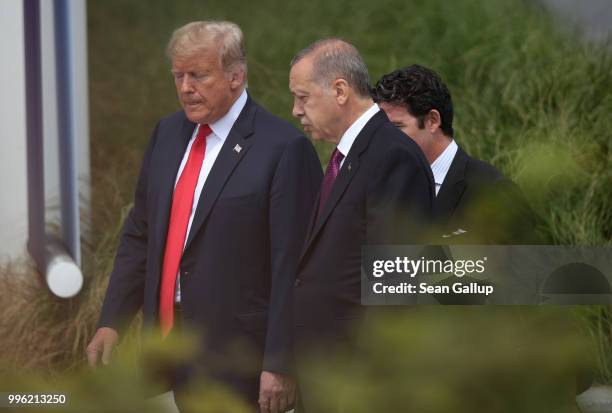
349,136
442,164
220,130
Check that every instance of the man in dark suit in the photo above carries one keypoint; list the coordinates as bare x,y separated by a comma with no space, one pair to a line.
220,214
474,201
377,189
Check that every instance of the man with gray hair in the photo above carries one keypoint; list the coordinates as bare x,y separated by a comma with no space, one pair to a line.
377,189
220,212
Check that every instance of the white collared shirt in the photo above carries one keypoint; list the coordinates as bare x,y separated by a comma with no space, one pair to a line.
441,165
220,130
349,136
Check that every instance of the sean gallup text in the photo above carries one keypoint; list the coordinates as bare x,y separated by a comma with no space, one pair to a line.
425,288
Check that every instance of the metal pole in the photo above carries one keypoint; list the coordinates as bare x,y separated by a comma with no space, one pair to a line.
33,89
62,275
64,57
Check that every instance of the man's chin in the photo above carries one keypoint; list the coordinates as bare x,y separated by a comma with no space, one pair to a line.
312,134
317,137
196,117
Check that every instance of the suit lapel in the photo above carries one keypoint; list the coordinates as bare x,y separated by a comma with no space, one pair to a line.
345,175
453,187
347,172
229,157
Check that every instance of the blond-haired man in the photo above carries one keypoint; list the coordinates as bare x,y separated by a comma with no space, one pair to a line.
220,213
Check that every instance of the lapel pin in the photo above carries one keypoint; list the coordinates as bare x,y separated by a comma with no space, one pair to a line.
349,167
237,148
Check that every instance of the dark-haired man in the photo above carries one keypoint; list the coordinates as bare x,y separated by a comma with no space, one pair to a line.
473,199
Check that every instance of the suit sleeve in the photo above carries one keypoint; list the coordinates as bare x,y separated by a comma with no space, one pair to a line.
125,292
400,199
294,187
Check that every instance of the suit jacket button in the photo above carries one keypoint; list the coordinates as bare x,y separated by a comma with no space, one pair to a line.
298,282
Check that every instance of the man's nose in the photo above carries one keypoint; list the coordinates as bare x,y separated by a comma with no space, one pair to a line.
186,84
297,110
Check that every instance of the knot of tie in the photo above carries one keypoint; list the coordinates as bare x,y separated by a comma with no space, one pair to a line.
203,131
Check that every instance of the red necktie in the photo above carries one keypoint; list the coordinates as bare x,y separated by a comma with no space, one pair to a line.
182,203
333,167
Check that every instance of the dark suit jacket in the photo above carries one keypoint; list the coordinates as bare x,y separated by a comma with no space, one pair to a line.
383,195
477,198
239,263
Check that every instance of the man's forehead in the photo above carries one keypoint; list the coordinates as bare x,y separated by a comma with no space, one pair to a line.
395,107
300,76
202,58
303,86
186,61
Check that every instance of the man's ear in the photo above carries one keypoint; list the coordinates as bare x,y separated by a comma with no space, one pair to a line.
433,120
340,89
236,77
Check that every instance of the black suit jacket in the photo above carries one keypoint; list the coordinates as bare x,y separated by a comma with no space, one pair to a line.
240,258
383,195
476,197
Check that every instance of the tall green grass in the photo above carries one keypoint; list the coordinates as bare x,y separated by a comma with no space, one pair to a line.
529,98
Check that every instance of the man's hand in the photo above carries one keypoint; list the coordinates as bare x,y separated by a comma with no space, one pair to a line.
276,392
103,341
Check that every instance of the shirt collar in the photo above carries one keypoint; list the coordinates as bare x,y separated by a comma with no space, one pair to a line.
440,167
222,126
349,136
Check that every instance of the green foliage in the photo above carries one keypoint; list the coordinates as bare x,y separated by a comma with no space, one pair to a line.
596,324
533,101
458,359
126,384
